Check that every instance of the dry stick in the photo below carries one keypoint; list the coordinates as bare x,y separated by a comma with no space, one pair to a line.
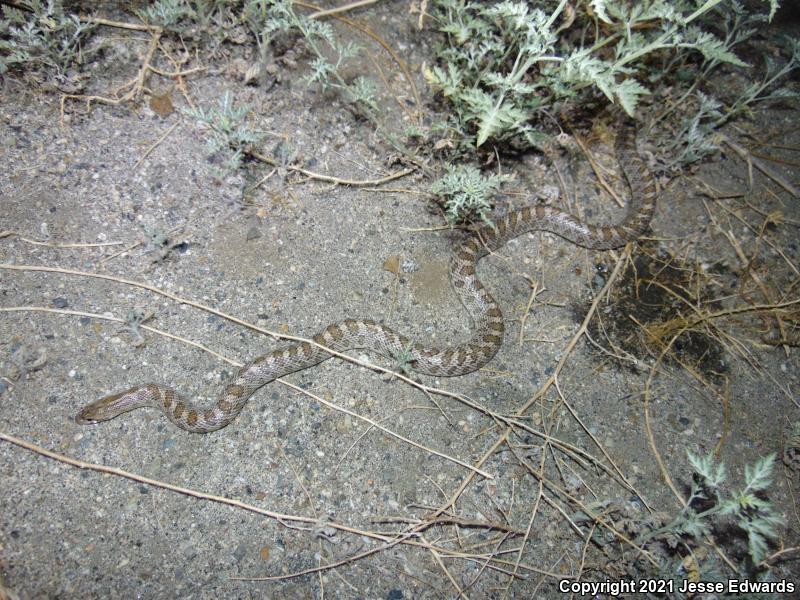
774,217
409,191
330,178
500,541
601,180
782,161
178,73
453,520
178,76
364,434
78,313
156,144
5,234
136,84
535,291
283,519
583,555
648,426
121,24
310,503
136,245
340,9
568,350
563,185
761,166
387,431
534,512
748,266
778,554
168,486
438,558
237,364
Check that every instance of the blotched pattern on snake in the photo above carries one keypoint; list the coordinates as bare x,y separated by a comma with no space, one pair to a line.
350,333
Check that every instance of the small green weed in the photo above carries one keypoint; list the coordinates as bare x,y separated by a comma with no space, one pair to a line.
230,136
740,522
266,18
182,16
42,41
710,509
465,193
169,14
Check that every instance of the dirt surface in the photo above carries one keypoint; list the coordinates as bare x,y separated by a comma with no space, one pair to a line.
293,254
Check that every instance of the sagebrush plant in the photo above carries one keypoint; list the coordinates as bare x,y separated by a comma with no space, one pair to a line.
230,137
709,508
505,66
41,39
465,193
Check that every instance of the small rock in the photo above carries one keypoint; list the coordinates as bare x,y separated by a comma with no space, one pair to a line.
240,552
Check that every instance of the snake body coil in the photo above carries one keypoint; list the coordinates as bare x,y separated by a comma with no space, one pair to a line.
350,333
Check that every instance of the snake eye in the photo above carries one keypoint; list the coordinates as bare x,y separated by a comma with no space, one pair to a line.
82,419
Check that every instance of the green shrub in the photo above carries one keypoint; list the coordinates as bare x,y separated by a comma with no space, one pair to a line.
42,40
505,67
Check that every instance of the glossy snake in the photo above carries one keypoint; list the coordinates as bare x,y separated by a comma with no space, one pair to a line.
351,333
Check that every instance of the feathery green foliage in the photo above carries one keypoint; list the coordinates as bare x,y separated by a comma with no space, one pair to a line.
465,193
266,18
745,507
506,65
43,39
230,137
168,14
182,15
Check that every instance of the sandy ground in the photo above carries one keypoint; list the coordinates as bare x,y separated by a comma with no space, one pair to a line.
292,256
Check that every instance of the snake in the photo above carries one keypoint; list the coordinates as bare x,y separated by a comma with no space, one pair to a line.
471,355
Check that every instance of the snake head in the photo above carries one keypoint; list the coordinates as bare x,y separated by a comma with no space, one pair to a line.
108,407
